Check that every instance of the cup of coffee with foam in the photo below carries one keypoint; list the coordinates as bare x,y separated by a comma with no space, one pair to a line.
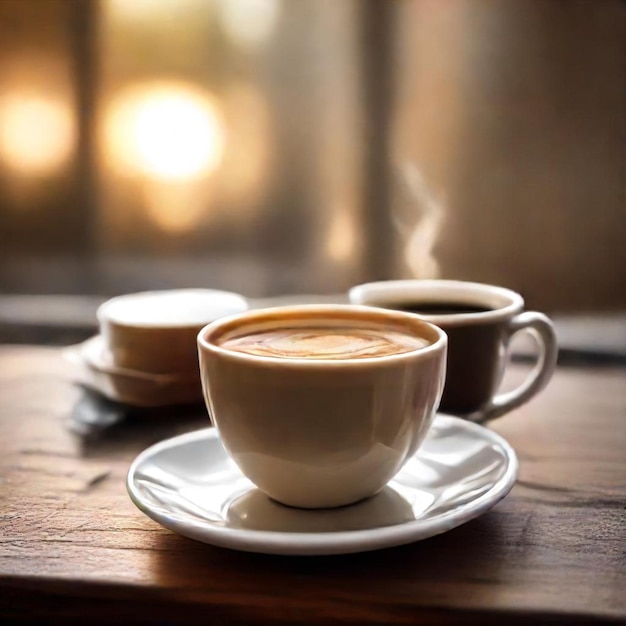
480,321
321,405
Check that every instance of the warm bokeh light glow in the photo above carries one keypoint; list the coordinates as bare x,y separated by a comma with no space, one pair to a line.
176,207
248,156
249,23
341,241
141,11
164,132
37,133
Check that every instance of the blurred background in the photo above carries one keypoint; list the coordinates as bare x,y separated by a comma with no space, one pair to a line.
281,147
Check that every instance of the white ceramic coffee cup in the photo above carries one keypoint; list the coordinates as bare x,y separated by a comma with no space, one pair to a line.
478,340
318,433
155,331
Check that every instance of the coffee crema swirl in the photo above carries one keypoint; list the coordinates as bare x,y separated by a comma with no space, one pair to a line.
324,342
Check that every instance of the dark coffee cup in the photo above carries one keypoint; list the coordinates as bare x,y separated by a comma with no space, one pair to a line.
480,321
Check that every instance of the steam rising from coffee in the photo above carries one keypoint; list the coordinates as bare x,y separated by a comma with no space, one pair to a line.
420,214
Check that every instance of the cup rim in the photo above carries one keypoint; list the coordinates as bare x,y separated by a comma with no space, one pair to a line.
388,292
204,343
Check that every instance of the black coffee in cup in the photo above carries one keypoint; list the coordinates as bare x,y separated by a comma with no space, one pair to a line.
440,308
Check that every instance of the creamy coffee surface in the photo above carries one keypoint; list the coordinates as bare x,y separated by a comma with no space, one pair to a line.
324,342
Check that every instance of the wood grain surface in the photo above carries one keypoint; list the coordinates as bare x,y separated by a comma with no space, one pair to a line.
74,549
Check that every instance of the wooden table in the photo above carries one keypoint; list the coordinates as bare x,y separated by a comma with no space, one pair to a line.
74,549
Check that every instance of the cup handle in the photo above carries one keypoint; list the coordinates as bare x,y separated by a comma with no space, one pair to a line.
541,328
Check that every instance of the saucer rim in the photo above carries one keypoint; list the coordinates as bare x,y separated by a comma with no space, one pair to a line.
100,364
327,543
136,389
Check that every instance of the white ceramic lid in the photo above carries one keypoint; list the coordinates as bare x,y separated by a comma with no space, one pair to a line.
171,308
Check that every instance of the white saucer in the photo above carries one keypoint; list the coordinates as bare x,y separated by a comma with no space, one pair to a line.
92,366
189,485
